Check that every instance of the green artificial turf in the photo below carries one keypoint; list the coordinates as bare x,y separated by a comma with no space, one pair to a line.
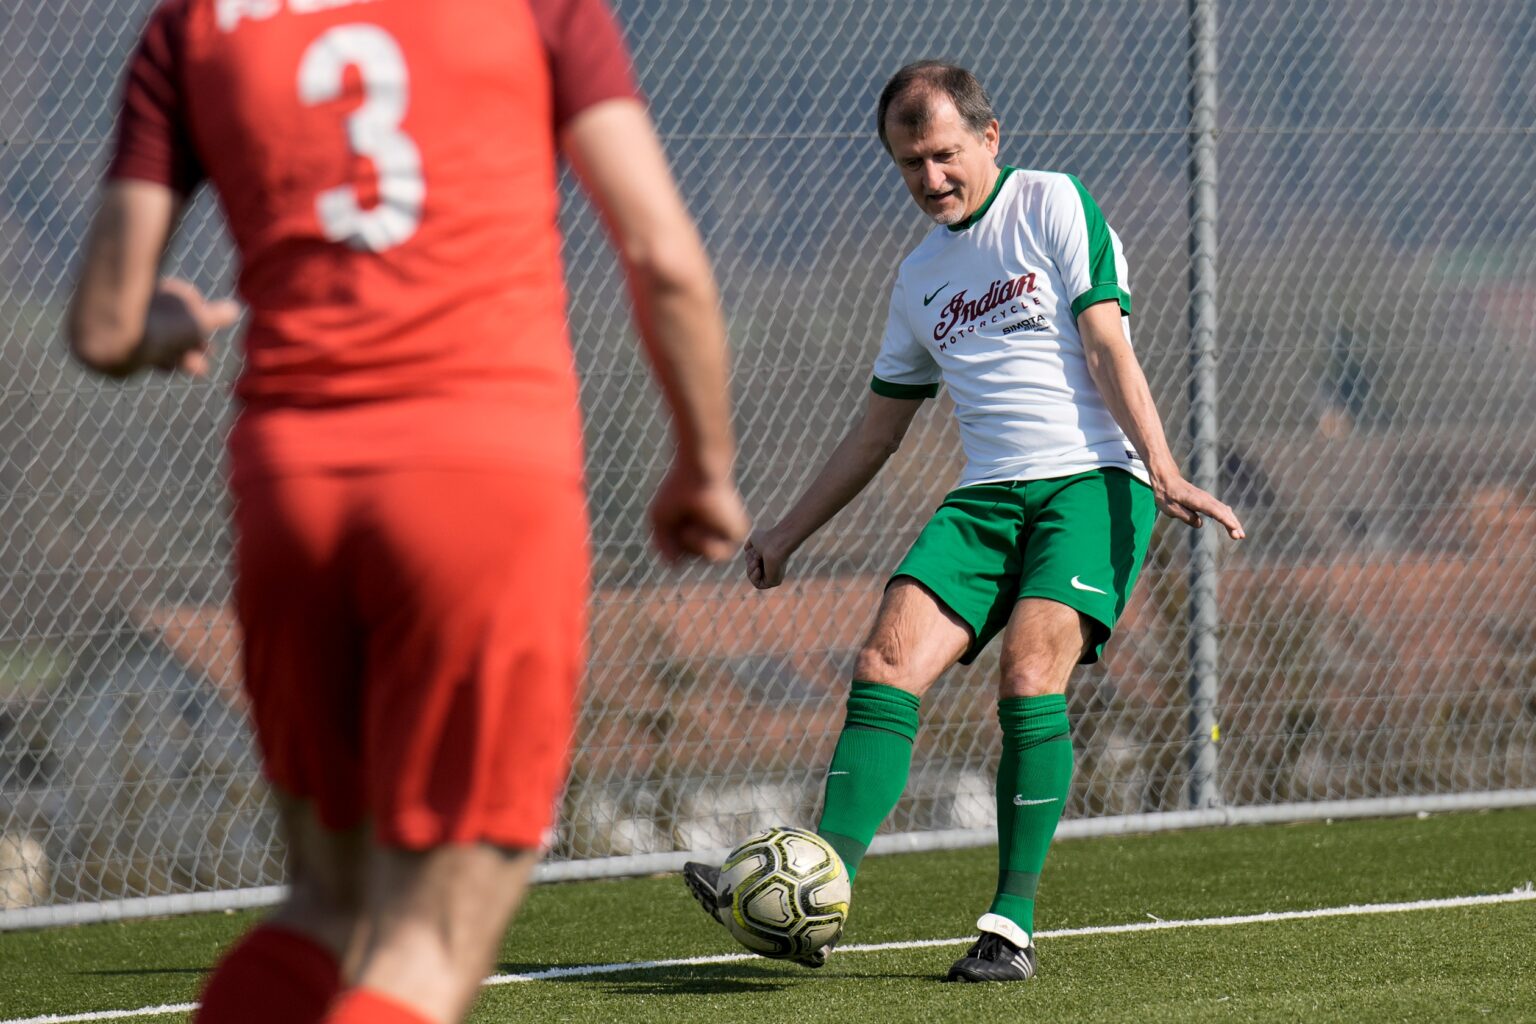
1459,964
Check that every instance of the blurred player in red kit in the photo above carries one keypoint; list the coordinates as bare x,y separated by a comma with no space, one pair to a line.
411,557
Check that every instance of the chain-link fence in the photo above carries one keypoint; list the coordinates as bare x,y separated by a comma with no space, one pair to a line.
1376,312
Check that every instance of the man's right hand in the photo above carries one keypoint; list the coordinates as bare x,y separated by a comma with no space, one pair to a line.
851,466
177,326
697,515
766,557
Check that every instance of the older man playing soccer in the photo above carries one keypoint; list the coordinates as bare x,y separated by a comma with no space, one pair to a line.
1018,302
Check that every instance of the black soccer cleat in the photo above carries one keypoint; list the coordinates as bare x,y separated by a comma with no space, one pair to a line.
818,957
703,882
994,958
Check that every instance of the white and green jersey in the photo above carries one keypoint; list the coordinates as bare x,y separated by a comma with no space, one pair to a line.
989,307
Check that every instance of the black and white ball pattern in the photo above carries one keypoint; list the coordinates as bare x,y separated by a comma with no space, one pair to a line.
789,892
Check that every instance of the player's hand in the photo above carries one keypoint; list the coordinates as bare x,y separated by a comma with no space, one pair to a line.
178,325
1190,505
697,516
766,558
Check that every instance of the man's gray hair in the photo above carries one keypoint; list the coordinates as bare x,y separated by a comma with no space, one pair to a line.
920,81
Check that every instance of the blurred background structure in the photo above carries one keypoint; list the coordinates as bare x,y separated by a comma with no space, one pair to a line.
1371,302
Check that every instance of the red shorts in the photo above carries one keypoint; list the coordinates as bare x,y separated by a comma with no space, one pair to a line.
413,644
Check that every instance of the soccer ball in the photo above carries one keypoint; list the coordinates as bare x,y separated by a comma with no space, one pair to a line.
789,893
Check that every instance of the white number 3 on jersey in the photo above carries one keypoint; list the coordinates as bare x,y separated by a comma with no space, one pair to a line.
373,131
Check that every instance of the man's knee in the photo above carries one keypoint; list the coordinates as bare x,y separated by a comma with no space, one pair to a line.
881,660
1044,642
914,639
876,665
1035,678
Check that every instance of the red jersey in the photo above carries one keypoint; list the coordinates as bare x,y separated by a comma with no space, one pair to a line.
388,172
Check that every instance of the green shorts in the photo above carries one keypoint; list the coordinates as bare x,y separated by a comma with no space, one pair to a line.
1075,539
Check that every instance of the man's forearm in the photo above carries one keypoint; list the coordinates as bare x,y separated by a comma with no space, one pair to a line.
848,470
684,338
614,150
1116,372
106,323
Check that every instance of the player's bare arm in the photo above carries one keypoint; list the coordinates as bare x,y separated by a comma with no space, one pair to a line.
1113,365
122,319
615,152
848,470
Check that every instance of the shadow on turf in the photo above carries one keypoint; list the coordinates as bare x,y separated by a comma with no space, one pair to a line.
127,971
712,979
679,981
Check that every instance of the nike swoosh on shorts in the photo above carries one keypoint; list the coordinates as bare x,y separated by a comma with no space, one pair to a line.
1078,584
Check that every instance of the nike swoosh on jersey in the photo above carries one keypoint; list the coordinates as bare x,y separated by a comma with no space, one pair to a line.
1019,801
1078,584
929,298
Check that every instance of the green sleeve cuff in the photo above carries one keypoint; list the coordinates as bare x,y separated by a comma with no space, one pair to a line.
886,389
1101,293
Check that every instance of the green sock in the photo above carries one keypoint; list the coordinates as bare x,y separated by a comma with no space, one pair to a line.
1032,783
869,767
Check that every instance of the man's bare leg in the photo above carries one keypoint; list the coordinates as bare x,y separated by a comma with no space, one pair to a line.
325,878
289,966
914,639
433,922
1043,642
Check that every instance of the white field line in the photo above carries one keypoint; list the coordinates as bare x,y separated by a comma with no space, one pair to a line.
143,1011
1524,893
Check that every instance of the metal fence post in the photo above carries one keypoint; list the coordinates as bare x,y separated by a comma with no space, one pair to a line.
1203,616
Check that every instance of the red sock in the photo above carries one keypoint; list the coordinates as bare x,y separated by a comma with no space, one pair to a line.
271,974
361,1006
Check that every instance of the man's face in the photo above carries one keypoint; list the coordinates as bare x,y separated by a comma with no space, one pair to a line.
948,168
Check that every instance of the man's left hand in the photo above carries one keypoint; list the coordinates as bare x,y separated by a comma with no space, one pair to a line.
1190,505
